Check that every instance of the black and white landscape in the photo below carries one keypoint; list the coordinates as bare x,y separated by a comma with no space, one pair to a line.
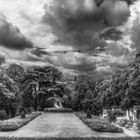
69,69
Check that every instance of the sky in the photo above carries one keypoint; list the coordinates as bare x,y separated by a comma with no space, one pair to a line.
76,36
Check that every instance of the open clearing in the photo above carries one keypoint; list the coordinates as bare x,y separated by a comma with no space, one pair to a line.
57,125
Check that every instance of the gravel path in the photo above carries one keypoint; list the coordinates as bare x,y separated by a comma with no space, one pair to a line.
57,125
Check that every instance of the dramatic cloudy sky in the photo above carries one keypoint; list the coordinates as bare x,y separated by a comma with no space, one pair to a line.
77,36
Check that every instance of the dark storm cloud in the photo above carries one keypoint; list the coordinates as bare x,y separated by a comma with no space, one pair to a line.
11,37
79,22
130,1
84,67
112,34
39,52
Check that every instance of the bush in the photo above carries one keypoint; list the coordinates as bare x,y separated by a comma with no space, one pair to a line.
99,125
129,124
111,116
58,110
23,114
50,103
86,104
3,115
15,123
138,126
29,110
122,122
119,113
20,110
89,114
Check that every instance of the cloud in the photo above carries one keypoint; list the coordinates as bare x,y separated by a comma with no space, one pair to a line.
116,12
111,34
74,61
84,66
116,49
70,34
78,23
135,34
11,37
130,1
39,52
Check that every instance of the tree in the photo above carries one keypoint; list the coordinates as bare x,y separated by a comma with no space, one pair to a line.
2,60
15,71
8,95
84,93
41,83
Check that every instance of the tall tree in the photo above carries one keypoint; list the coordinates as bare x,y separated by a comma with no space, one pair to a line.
15,71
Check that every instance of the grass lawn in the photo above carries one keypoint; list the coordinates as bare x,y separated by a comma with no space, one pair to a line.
99,125
17,122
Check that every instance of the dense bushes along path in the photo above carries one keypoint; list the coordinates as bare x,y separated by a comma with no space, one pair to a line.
57,125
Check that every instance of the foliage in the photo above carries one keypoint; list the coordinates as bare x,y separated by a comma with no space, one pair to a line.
121,90
2,60
3,115
40,83
15,71
84,92
23,114
138,126
17,122
89,114
122,122
99,125
58,110
111,116
28,88
8,95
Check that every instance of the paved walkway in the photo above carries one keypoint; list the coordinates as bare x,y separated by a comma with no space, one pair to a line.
57,125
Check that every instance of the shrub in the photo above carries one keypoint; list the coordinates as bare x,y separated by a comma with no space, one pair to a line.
138,126
15,123
86,104
23,114
29,110
89,114
122,122
20,109
119,113
129,124
99,125
50,104
58,110
3,115
111,116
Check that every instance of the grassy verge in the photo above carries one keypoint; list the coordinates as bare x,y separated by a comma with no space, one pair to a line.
99,125
58,110
17,122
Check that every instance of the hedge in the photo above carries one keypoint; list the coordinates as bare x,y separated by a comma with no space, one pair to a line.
58,110
99,125
10,125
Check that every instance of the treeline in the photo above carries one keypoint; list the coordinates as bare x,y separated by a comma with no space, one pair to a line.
121,90
27,89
